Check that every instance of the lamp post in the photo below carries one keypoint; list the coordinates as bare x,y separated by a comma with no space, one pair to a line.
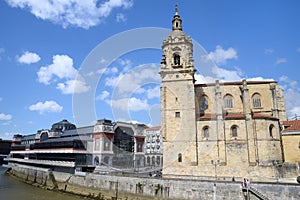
215,162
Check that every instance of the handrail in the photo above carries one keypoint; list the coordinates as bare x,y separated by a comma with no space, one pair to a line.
256,192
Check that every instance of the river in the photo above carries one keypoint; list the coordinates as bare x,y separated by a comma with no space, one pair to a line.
12,189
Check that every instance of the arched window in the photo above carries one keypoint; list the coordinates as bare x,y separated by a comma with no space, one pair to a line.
271,130
158,160
148,160
205,132
176,59
96,160
203,102
106,144
256,100
44,136
228,101
234,131
179,157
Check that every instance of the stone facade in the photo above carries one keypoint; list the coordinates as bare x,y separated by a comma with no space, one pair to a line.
291,141
227,129
153,147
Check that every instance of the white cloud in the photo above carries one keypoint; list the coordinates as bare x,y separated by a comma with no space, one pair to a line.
8,136
226,76
2,50
125,63
120,17
269,51
104,94
291,95
153,92
200,79
29,58
259,79
1,98
47,106
130,104
132,80
284,78
84,14
220,74
5,117
220,56
110,70
280,60
73,87
62,67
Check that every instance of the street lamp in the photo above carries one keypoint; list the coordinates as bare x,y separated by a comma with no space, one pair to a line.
215,163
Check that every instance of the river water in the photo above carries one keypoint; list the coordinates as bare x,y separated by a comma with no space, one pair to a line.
12,189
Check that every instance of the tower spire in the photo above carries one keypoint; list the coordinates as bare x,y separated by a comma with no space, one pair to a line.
176,22
176,9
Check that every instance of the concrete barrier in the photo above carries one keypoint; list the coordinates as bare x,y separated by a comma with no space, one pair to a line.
120,187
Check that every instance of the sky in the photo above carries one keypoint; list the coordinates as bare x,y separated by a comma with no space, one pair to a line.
94,59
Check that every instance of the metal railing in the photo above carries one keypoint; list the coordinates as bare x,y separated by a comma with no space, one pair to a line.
254,191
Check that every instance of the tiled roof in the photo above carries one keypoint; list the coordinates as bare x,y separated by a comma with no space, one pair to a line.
292,125
208,116
263,116
235,116
153,128
227,116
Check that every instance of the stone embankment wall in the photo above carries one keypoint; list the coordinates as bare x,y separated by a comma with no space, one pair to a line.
119,187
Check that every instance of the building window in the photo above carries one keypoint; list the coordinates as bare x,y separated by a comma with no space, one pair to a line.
271,130
177,114
203,103
107,145
158,160
97,144
179,157
44,136
148,160
96,161
176,59
206,132
140,147
234,132
256,101
228,101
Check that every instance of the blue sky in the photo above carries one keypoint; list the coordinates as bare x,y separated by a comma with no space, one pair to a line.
64,60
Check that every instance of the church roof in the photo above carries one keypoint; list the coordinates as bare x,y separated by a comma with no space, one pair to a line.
153,128
235,83
293,125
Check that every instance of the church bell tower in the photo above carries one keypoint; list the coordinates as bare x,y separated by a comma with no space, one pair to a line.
178,100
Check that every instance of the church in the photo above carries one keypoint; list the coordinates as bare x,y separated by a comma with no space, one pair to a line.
221,129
